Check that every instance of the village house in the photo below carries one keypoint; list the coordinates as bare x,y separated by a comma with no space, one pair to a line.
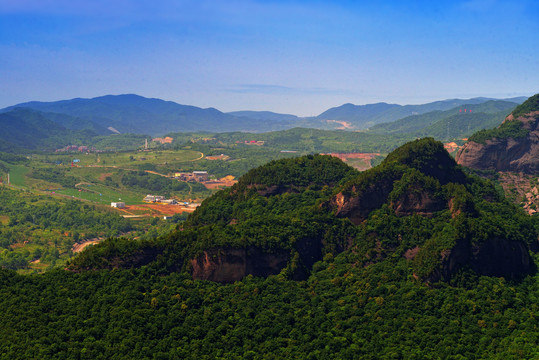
153,198
200,176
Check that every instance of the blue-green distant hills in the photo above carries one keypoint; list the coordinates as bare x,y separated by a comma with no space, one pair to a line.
365,116
140,115
457,122
36,125
27,129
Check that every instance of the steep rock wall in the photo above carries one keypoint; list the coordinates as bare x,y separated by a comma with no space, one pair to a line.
227,265
493,257
506,154
419,202
357,207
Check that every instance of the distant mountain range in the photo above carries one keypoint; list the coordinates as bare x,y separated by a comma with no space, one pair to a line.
27,129
137,114
460,121
365,116
106,115
265,116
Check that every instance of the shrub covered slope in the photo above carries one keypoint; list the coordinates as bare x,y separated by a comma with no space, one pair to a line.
411,259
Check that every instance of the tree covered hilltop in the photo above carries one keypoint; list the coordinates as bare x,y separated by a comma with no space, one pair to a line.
302,258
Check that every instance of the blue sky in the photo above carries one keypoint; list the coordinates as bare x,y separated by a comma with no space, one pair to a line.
299,57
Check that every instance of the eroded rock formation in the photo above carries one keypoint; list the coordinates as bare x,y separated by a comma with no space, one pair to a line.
227,265
506,153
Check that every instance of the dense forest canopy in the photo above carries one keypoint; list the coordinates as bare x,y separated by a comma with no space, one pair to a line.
377,286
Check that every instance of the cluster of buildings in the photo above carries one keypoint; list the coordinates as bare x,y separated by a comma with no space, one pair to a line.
160,199
165,140
157,199
198,176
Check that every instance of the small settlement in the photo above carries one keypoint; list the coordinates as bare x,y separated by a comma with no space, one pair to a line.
157,199
158,203
198,176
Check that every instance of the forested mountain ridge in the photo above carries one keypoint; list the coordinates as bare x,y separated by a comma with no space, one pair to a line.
374,293
290,213
365,116
457,122
469,222
29,129
265,115
131,113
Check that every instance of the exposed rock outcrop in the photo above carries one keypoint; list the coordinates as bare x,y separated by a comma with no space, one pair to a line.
227,265
506,153
356,205
493,257
420,203
500,257
421,179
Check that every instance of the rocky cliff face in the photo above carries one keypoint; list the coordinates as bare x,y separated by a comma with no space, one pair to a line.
425,182
501,257
506,154
357,207
420,203
418,179
494,257
227,265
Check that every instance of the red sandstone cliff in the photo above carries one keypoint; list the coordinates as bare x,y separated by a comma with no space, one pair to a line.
228,265
506,154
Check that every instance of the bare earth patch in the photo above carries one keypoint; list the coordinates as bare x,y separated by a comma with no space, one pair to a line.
344,124
103,176
157,210
169,209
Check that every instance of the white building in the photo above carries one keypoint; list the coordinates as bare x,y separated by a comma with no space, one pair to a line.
153,198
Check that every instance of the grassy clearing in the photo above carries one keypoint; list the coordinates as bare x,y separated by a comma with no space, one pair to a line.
102,195
122,159
17,175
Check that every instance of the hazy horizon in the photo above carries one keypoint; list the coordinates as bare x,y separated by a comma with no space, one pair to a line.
296,57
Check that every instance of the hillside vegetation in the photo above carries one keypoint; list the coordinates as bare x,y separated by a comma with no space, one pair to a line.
511,128
131,113
379,287
29,129
455,123
532,104
317,206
